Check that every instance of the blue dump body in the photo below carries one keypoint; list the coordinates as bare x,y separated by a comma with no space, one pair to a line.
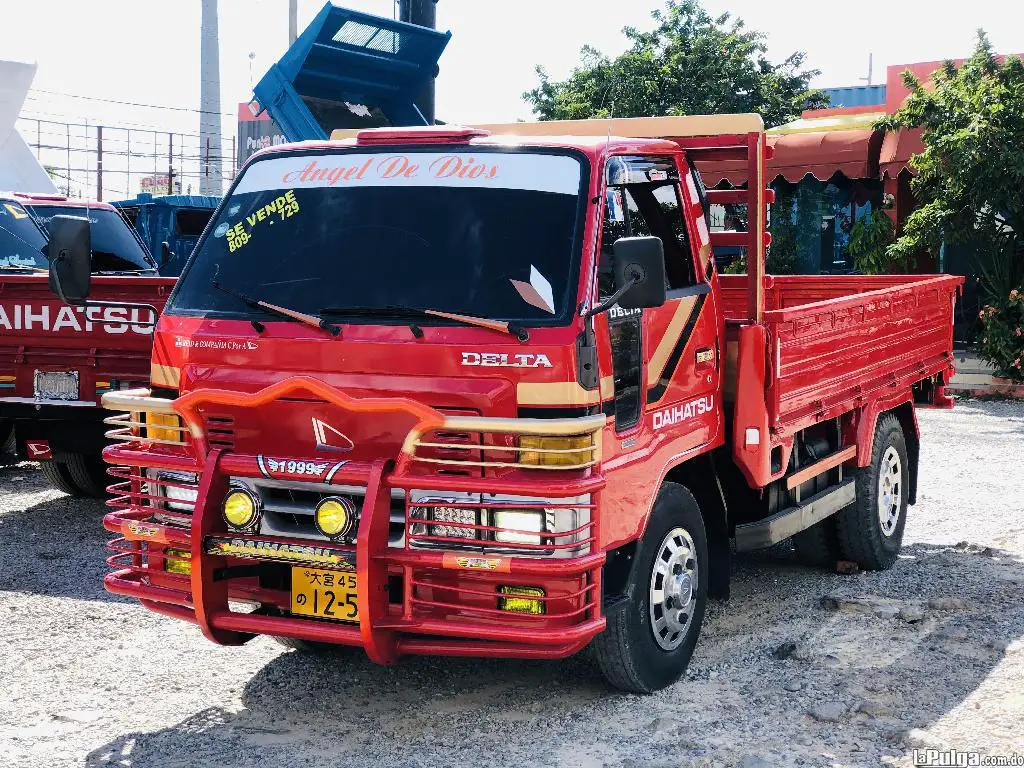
350,70
177,220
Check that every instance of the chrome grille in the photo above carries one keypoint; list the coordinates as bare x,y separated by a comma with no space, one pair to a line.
288,507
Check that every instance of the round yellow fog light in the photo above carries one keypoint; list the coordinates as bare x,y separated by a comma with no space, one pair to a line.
241,510
335,517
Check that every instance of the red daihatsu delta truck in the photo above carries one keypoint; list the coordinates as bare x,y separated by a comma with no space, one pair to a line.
482,392
57,361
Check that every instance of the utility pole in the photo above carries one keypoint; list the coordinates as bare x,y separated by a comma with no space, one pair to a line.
871,69
211,176
170,163
99,163
423,13
293,20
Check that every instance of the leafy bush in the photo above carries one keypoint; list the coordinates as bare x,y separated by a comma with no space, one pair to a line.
969,181
1003,341
780,258
870,239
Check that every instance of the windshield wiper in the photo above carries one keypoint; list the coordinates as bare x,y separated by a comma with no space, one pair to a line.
399,311
273,309
22,268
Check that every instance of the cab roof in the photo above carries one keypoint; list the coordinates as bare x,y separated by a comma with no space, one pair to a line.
59,201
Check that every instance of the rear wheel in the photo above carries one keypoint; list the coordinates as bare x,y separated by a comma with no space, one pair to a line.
310,646
8,448
302,645
89,473
648,644
871,529
57,475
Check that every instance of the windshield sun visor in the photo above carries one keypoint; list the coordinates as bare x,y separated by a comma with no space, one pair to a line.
473,231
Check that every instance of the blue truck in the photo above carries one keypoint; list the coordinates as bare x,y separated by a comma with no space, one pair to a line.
169,225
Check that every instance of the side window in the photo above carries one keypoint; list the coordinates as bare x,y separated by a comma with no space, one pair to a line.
625,332
655,209
613,227
624,328
191,223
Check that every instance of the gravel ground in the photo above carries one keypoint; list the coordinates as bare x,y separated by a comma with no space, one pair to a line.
928,654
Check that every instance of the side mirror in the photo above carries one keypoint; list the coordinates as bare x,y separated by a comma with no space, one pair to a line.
166,254
639,272
70,255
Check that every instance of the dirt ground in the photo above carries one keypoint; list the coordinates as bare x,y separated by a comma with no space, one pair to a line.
929,654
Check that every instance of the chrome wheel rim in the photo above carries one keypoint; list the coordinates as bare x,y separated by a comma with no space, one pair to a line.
673,592
890,491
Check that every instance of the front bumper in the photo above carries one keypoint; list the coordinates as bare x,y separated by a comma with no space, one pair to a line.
412,600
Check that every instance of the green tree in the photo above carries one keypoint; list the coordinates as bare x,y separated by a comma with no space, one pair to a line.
969,181
870,239
690,63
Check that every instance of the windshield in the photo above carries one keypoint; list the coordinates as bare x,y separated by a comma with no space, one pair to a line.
492,234
21,241
114,246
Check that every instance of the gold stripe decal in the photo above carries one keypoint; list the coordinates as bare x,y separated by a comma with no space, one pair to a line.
564,393
656,367
164,376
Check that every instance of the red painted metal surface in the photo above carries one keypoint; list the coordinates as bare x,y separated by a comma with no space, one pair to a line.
38,331
790,353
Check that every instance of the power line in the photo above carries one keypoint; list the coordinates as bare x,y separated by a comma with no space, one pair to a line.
131,103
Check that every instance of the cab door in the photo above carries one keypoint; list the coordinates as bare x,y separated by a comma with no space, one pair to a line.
664,360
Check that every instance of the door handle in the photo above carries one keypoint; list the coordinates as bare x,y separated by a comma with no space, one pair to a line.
704,358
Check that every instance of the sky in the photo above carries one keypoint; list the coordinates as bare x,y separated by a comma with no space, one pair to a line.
147,52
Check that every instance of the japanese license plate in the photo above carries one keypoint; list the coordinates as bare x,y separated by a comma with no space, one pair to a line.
56,385
324,594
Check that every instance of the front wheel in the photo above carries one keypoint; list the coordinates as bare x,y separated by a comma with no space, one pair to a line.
648,644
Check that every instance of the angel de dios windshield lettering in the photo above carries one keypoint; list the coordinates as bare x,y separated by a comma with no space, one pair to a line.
394,167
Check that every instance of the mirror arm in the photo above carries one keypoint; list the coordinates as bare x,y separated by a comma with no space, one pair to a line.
612,300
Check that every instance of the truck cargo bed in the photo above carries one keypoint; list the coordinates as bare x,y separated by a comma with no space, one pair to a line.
835,342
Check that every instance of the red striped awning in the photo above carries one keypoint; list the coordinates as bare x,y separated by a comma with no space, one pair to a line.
822,154
897,149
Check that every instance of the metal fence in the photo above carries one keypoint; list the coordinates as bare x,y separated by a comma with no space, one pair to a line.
105,162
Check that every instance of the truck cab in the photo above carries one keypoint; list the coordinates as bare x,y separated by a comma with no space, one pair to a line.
115,245
57,361
169,225
481,391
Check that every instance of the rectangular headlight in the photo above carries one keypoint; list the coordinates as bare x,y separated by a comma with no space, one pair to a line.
556,451
518,520
439,514
185,498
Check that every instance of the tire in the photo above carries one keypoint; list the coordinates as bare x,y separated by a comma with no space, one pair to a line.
57,475
309,646
302,646
305,646
89,473
645,649
871,529
818,546
8,448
